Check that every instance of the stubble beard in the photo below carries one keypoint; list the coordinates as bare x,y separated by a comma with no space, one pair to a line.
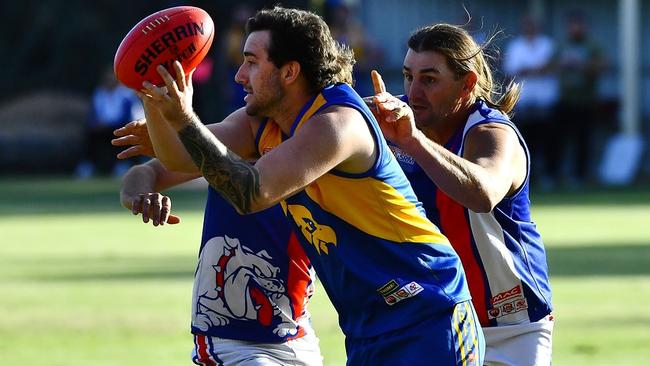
264,104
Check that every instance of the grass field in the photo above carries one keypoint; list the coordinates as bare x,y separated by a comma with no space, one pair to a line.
83,282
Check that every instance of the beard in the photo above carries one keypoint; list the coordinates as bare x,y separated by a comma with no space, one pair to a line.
266,98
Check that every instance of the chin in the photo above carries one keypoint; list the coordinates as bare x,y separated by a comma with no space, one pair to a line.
251,110
422,119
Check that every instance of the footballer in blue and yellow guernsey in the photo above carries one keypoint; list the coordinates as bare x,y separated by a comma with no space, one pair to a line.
386,268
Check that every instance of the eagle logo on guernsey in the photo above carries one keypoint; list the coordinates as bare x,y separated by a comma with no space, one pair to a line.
320,236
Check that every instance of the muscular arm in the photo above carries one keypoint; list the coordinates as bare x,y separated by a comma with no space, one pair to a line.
337,137
229,174
167,106
493,165
234,131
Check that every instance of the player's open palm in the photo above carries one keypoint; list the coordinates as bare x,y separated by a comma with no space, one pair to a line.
134,137
394,116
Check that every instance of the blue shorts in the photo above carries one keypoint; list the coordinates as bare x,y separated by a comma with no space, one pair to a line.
452,338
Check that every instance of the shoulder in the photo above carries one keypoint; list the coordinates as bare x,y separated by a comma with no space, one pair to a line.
337,115
490,123
335,125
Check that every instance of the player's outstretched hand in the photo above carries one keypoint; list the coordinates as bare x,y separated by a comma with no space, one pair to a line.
174,99
155,207
394,116
134,136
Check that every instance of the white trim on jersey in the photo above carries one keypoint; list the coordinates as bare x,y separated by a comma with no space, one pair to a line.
509,304
496,259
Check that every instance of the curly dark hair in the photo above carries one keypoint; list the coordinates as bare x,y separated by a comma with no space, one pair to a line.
302,36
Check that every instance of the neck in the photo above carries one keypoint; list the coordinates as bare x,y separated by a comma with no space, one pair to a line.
443,131
287,111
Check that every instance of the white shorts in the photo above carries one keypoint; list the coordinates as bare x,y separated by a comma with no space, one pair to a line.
527,344
214,351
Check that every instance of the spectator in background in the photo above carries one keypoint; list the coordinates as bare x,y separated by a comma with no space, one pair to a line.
579,62
347,29
112,106
527,59
234,39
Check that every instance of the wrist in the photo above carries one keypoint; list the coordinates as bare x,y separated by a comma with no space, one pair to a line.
413,143
185,119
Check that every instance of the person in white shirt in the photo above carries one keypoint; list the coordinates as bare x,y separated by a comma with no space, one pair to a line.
527,59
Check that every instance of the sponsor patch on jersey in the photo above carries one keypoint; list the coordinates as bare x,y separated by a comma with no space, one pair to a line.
507,295
392,294
508,308
508,302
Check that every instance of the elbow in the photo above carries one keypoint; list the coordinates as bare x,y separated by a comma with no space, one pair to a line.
259,203
483,202
246,206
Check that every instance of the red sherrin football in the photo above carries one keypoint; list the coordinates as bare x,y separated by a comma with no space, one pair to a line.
182,33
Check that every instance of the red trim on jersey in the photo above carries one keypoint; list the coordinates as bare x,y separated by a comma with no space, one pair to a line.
263,305
454,225
202,351
298,279
220,276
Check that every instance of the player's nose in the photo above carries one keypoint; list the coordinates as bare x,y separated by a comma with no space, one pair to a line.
241,76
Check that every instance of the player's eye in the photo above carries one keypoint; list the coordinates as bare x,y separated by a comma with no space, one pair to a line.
428,80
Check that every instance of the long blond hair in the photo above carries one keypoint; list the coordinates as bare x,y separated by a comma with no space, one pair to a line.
463,55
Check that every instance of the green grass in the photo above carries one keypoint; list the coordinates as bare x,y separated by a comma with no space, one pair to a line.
83,282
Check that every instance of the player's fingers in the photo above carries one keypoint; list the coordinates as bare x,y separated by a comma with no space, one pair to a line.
399,111
377,82
142,94
126,140
170,83
165,209
189,76
156,203
131,152
393,104
136,205
154,92
180,76
127,128
146,205
384,97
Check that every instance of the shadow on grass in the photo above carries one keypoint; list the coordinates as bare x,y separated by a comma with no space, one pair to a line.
618,259
64,195
72,196
109,269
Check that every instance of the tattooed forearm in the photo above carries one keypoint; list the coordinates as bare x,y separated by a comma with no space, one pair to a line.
230,175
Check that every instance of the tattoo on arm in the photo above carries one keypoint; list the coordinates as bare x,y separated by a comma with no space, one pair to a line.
234,178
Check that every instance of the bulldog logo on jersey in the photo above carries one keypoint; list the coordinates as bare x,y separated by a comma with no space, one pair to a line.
241,285
320,236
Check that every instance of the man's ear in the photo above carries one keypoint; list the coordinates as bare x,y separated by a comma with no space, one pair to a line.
469,82
290,71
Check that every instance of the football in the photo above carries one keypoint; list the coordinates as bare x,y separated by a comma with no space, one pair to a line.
182,33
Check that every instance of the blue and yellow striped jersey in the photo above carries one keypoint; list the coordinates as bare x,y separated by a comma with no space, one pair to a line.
383,264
